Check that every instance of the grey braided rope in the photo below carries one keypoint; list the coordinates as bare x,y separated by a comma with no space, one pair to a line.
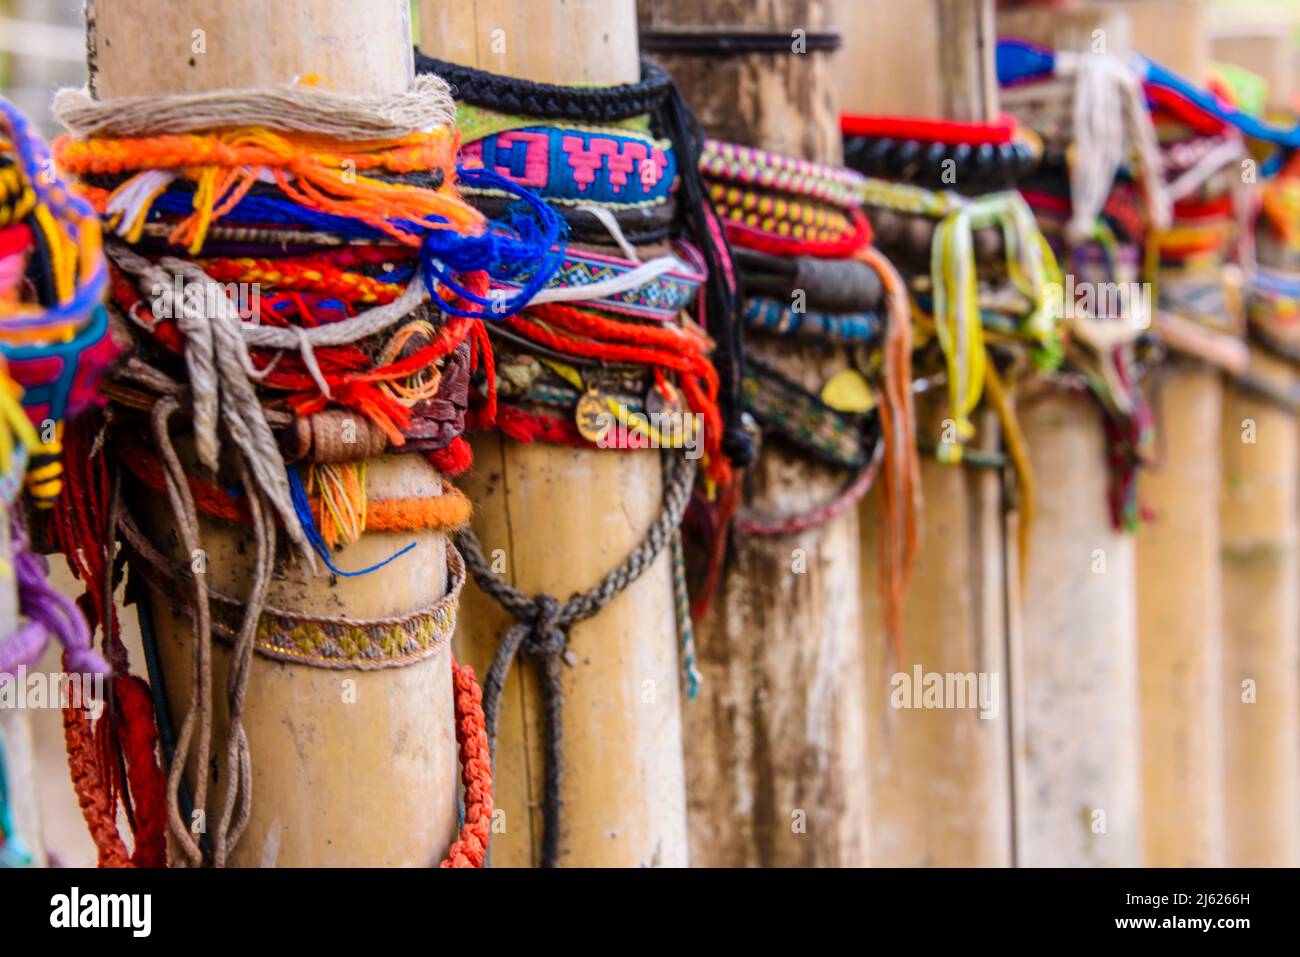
541,626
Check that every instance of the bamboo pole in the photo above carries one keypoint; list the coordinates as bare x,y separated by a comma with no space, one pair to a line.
776,752
941,778
349,768
562,519
1076,755
1077,759
1260,618
1180,631
1180,599
1261,622
941,785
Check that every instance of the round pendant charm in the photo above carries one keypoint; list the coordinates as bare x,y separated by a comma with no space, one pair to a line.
596,423
668,414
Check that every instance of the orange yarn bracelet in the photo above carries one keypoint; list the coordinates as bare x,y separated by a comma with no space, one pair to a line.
446,512
475,770
223,167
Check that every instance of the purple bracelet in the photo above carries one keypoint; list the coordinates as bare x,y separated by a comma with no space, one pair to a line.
48,613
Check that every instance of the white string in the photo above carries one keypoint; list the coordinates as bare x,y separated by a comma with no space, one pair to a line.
1110,117
218,363
1193,178
360,326
309,360
608,220
425,107
132,199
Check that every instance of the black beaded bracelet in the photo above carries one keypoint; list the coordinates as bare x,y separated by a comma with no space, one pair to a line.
937,165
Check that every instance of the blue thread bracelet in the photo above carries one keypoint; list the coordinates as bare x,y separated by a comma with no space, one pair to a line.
775,317
526,247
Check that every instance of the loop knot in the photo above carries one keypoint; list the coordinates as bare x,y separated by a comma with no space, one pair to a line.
546,637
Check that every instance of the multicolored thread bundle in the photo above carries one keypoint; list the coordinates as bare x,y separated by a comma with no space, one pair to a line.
610,334
977,268
633,341
302,289
808,271
55,343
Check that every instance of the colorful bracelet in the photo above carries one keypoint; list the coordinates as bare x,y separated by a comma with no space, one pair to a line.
575,165
971,167
791,412
56,346
659,299
753,167
781,319
68,229
829,285
1001,130
776,214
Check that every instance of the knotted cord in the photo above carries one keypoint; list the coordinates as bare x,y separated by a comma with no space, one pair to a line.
541,633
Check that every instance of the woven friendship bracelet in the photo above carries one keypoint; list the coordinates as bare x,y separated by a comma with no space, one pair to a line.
58,380
972,168
17,198
803,419
571,165
476,122
597,104
782,205
970,156
829,285
660,299
750,166
780,318
1275,284
338,643
559,331
640,225
67,228
56,342
792,228
1001,130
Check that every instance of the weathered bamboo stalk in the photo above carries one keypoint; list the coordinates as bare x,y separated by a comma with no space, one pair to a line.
941,784
1261,616
776,753
1076,753
1180,632
1180,601
562,519
349,768
941,778
1261,624
1077,770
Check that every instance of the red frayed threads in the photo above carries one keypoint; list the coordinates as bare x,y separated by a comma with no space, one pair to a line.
102,782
